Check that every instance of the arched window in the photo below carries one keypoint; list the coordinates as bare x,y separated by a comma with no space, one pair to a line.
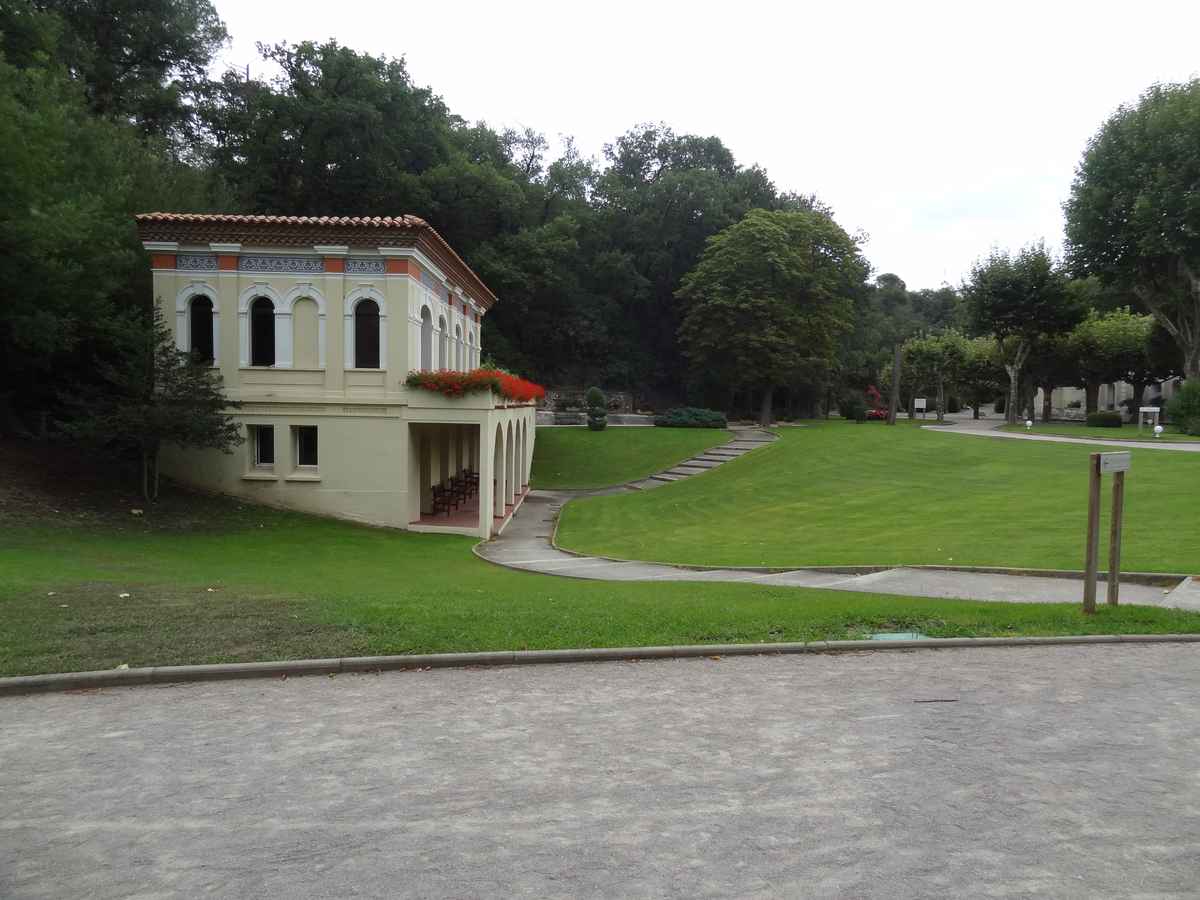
366,335
262,332
426,339
200,328
471,363
443,344
458,347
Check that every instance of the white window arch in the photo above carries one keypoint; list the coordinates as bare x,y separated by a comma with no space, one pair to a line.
350,327
280,331
443,343
187,320
458,347
471,363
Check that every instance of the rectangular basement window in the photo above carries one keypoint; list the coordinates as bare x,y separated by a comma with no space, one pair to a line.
263,439
306,446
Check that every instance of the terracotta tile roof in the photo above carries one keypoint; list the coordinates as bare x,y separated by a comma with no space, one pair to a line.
236,219
306,231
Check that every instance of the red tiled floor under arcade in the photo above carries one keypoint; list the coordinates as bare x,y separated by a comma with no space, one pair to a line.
467,514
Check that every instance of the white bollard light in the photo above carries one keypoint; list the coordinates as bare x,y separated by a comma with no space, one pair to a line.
1029,424
1158,430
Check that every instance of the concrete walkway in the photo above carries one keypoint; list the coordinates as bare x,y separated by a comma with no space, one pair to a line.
1065,772
990,428
526,545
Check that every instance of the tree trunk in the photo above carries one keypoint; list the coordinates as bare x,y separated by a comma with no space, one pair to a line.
146,475
1014,400
975,411
154,463
1091,392
941,399
894,399
1047,402
764,412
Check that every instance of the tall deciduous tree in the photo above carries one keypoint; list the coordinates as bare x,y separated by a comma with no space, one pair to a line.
139,60
1016,298
769,297
1133,217
938,360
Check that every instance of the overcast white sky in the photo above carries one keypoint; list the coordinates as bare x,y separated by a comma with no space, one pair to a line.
940,129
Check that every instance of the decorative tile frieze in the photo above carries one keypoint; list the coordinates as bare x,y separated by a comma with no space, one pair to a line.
287,265
366,266
196,262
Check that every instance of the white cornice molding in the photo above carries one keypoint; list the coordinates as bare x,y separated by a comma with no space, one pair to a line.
332,249
161,246
415,254
225,248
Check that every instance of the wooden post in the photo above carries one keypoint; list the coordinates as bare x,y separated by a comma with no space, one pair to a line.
1114,537
1092,552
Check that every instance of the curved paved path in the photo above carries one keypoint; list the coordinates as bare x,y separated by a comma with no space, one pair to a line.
990,428
525,544
1044,772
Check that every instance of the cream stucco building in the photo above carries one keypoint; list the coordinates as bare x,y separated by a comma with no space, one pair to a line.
314,324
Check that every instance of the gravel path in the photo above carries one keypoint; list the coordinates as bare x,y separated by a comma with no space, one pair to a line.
1063,772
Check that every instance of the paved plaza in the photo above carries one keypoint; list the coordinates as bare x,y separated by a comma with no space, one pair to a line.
1064,772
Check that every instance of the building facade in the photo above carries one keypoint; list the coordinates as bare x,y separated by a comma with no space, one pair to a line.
314,324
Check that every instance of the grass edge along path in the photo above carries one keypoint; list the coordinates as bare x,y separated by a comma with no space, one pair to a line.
846,494
580,459
1084,432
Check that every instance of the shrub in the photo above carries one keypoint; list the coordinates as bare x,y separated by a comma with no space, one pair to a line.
1001,402
1105,418
597,415
952,404
1184,408
1075,404
690,417
853,408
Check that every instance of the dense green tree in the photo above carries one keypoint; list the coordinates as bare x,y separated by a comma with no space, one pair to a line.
1133,217
142,61
69,256
151,395
982,376
1017,298
1103,348
769,296
937,360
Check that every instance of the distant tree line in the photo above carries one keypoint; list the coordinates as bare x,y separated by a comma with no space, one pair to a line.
665,267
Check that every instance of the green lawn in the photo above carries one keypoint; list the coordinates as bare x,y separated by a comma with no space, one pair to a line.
1124,433
291,586
842,494
568,458
211,579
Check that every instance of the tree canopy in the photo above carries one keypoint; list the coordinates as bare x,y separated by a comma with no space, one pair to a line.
1133,217
769,298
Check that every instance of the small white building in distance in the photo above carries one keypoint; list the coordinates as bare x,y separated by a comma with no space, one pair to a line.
315,325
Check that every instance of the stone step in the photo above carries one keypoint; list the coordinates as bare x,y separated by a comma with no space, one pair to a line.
685,471
667,476
700,463
712,459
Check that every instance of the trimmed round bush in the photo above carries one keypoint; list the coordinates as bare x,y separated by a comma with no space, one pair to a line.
1184,408
853,408
690,417
1105,418
597,409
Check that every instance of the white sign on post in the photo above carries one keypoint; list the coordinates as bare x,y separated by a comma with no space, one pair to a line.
919,403
1115,462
